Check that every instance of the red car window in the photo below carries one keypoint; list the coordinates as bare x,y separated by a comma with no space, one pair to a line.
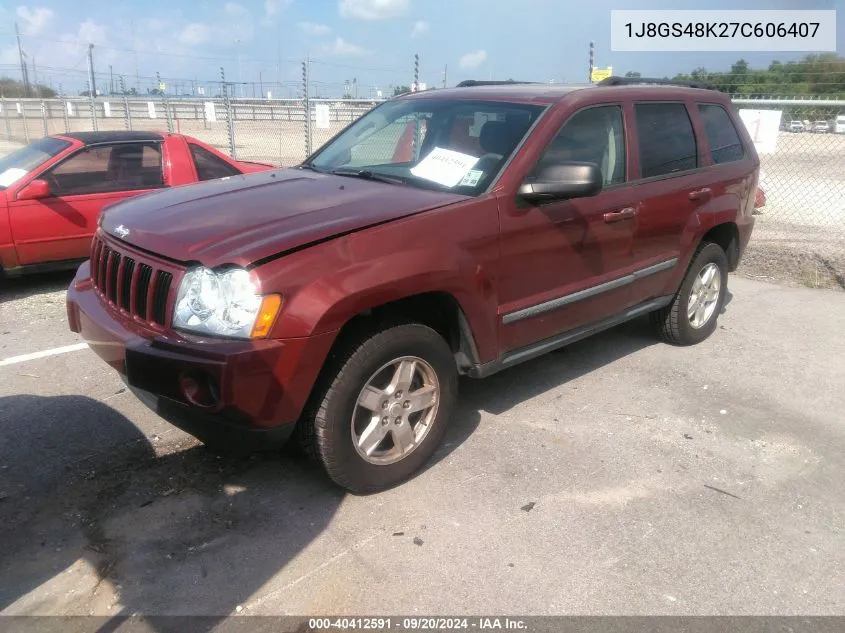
108,168
209,166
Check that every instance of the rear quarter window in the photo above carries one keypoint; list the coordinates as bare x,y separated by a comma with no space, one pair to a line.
666,138
722,136
209,166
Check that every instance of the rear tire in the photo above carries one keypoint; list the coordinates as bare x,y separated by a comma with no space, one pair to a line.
340,430
692,316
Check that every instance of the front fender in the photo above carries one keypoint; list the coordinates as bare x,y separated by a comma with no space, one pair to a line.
332,299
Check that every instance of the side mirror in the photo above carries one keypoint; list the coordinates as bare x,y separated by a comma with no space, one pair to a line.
34,190
563,181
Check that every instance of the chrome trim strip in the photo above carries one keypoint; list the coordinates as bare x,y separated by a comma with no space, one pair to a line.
580,333
613,284
654,268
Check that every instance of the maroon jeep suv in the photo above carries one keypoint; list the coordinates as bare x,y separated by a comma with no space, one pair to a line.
444,233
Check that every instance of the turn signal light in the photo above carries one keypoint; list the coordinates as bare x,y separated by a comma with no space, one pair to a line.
267,313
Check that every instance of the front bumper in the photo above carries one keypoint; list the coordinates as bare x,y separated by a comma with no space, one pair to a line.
225,391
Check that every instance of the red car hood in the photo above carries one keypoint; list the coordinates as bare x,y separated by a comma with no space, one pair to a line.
242,219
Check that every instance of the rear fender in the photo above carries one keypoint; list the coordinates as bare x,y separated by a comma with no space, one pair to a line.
705,218
8,253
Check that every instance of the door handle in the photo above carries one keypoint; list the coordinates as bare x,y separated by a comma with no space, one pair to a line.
701,195
621,214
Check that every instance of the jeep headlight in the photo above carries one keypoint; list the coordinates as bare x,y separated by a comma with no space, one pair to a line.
225,303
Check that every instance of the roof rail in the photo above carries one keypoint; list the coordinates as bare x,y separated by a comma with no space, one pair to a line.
470,83
634,81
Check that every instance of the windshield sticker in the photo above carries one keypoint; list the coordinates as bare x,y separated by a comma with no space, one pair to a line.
12,175
472,178
444,166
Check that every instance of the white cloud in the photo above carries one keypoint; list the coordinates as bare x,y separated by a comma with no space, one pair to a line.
473,60
420,29
343,48
314,29
91,32
34,20
154,24
373,9
274,7
195,33
237,24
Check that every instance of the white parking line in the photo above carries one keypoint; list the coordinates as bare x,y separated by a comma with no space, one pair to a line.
12,360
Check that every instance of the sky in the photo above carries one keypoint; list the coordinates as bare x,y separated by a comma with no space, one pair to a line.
369,42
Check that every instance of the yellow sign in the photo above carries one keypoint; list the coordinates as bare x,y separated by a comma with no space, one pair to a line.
601,73
161,86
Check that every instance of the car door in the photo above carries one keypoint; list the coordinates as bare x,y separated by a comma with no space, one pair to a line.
562,261
60,226
672,182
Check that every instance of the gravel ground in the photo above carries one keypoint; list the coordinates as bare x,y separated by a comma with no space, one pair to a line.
795,255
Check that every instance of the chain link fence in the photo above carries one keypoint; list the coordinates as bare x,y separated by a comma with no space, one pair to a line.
799,236
262,130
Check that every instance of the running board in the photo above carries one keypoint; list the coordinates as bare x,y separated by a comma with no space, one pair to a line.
534,350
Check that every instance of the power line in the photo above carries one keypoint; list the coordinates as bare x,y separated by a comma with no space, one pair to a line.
218,58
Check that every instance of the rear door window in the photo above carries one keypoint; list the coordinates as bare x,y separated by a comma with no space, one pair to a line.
667,140
725,145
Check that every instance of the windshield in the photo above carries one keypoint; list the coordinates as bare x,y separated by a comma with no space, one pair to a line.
19,163
449,144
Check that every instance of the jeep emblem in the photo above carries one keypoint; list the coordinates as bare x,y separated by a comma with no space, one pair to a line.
121,231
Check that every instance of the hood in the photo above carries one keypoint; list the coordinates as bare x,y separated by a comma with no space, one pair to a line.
242,219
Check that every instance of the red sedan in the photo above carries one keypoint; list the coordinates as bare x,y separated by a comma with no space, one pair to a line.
52,190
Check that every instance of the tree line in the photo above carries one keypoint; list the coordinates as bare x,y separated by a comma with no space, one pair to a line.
816,74
14,88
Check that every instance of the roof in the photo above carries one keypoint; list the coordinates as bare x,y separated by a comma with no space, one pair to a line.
550,93
91,138
526,93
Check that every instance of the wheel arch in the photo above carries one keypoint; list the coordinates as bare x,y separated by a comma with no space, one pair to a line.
726,235
438,309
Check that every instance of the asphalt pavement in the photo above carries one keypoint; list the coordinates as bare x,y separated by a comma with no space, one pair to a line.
619,476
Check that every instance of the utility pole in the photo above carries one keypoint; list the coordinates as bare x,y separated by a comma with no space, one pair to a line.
592,60
279,54
92,84
416,72
122,86
111,80
135,54
35,79
24,75
261,84
240,67
445,70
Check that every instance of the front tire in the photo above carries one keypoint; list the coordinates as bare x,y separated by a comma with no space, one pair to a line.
383,412
692,315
